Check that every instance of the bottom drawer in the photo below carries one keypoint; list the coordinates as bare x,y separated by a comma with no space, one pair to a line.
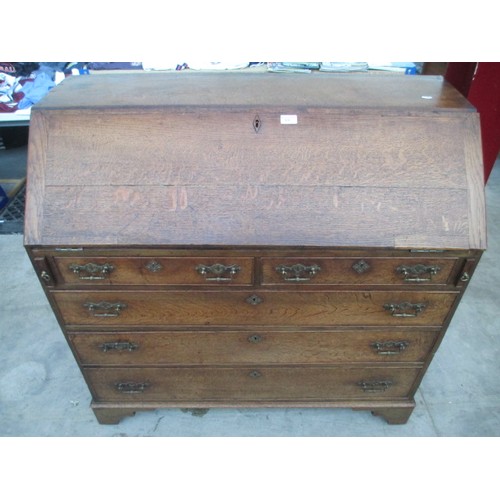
259,383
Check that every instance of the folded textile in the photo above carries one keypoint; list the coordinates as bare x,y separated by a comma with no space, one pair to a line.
217,66
10,92
114,65
408,68
36,89
343,67
280,67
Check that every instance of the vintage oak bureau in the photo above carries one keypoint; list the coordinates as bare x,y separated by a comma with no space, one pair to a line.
252,240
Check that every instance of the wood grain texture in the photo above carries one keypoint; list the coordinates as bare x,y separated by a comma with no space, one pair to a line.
475,183
35,181
370,271
221,148
164,271
266,90
237,384
251,347
245,215
377,173
218,308
172,170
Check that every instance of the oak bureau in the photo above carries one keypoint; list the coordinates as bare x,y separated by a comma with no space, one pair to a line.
254,240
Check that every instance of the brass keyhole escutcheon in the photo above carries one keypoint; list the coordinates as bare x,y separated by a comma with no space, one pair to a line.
254,339
257,124
254,300
255,374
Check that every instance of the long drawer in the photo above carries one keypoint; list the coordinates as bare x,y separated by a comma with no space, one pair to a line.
266,347
257,383
266,308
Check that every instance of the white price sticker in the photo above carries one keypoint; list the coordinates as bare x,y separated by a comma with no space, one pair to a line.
288,119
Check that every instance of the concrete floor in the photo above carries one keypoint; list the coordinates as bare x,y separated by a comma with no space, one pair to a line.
42,392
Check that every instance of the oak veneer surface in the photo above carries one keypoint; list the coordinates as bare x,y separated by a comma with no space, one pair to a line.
269,90
176,160
289,383
272,308
244,347
254,240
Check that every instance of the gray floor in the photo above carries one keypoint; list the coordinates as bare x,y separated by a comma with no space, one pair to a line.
42,392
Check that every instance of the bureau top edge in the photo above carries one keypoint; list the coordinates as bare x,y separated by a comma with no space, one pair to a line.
136,91
251,250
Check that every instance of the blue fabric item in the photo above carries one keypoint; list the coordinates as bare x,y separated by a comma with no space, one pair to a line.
35,90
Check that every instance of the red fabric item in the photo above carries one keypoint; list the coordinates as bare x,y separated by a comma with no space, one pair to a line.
480,83
460,75
484,94
10,107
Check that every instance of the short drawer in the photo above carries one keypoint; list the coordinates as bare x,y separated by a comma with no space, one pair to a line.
257,383
267,308
270,347
95,271
358,271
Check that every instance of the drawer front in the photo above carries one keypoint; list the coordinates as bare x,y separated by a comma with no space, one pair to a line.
200,348
94,271
357,271
258,383
129,308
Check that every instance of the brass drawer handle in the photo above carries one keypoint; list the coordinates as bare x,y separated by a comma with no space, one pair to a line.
131,387
375,386
414,274
105,309
298,272
218,272
92,271
390,348
45,276
405,309
118,346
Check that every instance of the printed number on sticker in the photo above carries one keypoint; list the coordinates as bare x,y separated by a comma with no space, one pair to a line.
288,119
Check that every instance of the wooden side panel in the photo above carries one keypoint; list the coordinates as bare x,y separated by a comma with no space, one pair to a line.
35,182
475,183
